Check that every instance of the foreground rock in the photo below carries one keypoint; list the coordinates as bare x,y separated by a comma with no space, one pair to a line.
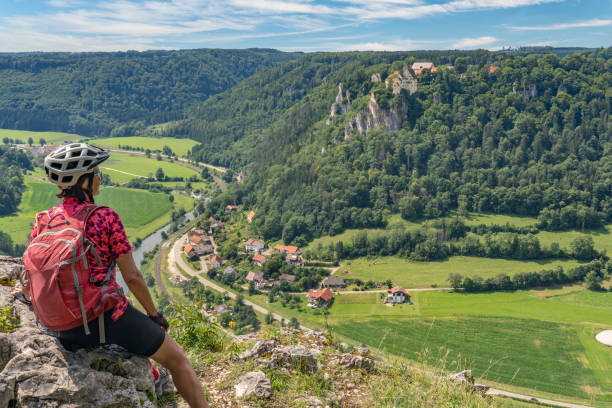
254,384
36,371
466,379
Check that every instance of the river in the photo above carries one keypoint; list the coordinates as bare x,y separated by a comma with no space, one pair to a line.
147,245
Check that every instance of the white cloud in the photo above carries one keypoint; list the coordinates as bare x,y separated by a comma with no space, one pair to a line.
473,42
596,22
143,24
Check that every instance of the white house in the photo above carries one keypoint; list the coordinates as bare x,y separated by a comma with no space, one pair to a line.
397,295
252,245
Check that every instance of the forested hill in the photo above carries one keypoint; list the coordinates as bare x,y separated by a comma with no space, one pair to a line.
95,94
497,132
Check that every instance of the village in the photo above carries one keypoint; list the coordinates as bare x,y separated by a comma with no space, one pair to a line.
200,247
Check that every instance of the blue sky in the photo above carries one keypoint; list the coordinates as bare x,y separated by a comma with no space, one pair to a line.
301,25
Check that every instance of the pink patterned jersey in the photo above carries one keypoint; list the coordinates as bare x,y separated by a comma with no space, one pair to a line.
105,229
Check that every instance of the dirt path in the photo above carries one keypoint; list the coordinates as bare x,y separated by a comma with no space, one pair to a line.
158,278
493,391
124,172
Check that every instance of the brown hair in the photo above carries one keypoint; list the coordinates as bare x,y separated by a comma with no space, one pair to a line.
78,192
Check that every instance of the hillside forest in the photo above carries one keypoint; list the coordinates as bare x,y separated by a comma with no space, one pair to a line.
530,137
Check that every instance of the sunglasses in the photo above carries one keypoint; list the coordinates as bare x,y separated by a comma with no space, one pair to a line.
98,174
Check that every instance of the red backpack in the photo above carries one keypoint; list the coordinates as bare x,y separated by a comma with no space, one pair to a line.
64,295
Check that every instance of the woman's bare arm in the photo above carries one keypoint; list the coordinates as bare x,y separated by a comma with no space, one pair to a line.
136,283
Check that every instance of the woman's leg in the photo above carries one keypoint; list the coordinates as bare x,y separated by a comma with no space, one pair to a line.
172,356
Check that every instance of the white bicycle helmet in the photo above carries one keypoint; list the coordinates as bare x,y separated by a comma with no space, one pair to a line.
65,165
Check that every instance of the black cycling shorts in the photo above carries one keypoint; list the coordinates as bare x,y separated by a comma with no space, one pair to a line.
133,331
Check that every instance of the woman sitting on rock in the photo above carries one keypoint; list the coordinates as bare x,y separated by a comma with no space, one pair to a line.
74,168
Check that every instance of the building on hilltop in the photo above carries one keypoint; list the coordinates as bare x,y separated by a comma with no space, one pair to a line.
402,80
231,208
418,67
251,215
397,295
319,297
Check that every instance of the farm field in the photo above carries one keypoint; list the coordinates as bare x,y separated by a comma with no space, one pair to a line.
178,146
142,212
535,344
407,273
123,167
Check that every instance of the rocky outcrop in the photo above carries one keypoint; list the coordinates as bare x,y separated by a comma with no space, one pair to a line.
36,371
359,358
528,91
466,379
253,384
342,103
373,116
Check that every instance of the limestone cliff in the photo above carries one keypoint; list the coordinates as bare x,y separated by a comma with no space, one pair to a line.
373,116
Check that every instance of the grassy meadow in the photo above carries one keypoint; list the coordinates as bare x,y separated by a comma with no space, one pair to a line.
142,212
123,167
178,146
407,273
529,340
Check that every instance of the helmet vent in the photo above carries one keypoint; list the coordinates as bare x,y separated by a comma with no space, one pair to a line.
86,162
91,153
72,165
56,165
66,179
60,156
54,177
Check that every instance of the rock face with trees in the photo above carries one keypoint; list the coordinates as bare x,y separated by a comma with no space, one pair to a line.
464,141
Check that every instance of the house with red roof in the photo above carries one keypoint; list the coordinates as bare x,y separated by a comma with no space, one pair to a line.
319,297
189,251
397,295
259,259
215,261
288,249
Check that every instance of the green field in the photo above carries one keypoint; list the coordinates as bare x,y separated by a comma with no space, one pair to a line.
395,221
123,167
407,273
178,146
544,344
142,212
52,138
